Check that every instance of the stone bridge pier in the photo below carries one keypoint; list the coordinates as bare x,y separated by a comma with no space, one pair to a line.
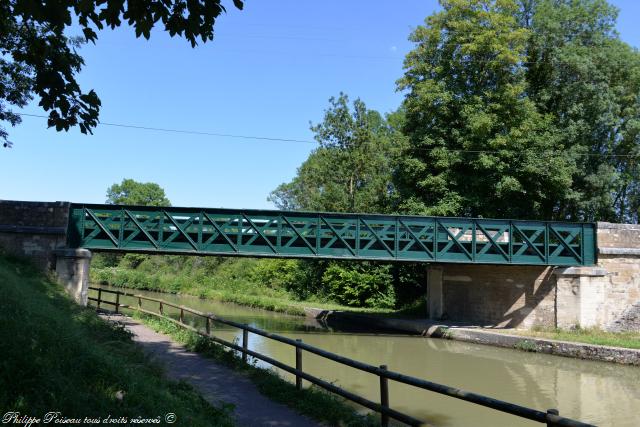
606,295
37,231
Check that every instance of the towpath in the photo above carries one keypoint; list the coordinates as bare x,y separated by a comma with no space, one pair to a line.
215,382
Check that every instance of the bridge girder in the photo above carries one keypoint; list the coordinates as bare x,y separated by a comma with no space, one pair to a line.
265,233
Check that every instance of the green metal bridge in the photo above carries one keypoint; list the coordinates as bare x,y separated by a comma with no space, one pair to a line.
243,232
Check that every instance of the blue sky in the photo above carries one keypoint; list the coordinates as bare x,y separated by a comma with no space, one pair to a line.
269,71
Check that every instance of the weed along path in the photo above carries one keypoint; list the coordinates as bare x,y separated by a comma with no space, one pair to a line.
217,383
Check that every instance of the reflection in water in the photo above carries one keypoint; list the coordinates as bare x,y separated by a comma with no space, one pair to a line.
600,393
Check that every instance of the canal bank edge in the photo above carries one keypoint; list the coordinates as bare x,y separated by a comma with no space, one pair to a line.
478,335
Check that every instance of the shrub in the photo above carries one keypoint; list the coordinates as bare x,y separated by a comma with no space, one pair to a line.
277,273
360,285
132,260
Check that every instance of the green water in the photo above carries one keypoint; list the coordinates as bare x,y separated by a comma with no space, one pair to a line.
600,393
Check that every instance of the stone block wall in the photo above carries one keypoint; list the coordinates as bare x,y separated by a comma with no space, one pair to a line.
619,254
499,295
580,296
33,229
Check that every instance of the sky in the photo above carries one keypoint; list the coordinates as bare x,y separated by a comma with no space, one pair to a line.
269,72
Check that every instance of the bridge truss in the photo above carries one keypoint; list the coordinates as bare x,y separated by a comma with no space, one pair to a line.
228,232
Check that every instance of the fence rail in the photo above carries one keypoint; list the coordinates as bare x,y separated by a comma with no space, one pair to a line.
263,233
551,417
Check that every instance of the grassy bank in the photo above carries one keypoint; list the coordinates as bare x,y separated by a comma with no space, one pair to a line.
241,281
583,335
58,356
313,401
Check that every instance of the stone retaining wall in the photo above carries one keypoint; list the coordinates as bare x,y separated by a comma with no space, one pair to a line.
33,229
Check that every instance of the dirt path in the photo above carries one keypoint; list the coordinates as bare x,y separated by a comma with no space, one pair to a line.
216,383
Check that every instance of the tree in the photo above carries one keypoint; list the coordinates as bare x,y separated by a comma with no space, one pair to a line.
522,109
351,170
131,192
477,142
39,58
588,80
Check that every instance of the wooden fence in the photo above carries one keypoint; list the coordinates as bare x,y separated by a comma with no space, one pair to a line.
551,417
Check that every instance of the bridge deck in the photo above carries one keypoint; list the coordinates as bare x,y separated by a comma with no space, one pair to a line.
329,235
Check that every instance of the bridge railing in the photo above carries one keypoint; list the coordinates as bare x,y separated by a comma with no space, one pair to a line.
551,417
330,235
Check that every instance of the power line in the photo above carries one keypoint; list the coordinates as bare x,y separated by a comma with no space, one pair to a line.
307,141
189,132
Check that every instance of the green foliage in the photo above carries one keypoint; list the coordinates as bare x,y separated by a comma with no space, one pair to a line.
40,58
301,278
59,356
475,137
298,277
525,345
351,169
521,109
131,192
588,80
105,260
246,281
234,280
360,285
410,284
277,273
132,260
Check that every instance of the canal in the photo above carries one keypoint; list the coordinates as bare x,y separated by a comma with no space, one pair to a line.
601,393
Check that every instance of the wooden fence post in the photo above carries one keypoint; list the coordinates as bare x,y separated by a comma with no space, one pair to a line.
208,325
298,365
139,302
245,344
384,397
181,316
117,302
99,298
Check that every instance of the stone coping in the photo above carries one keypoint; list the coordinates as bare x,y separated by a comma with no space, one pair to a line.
580,271
616,226
602,353
619,251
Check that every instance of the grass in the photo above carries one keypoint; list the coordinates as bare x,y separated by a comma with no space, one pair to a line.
313,401
583,335
525,345
58,356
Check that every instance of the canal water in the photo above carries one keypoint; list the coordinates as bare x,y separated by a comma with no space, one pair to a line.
600,393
